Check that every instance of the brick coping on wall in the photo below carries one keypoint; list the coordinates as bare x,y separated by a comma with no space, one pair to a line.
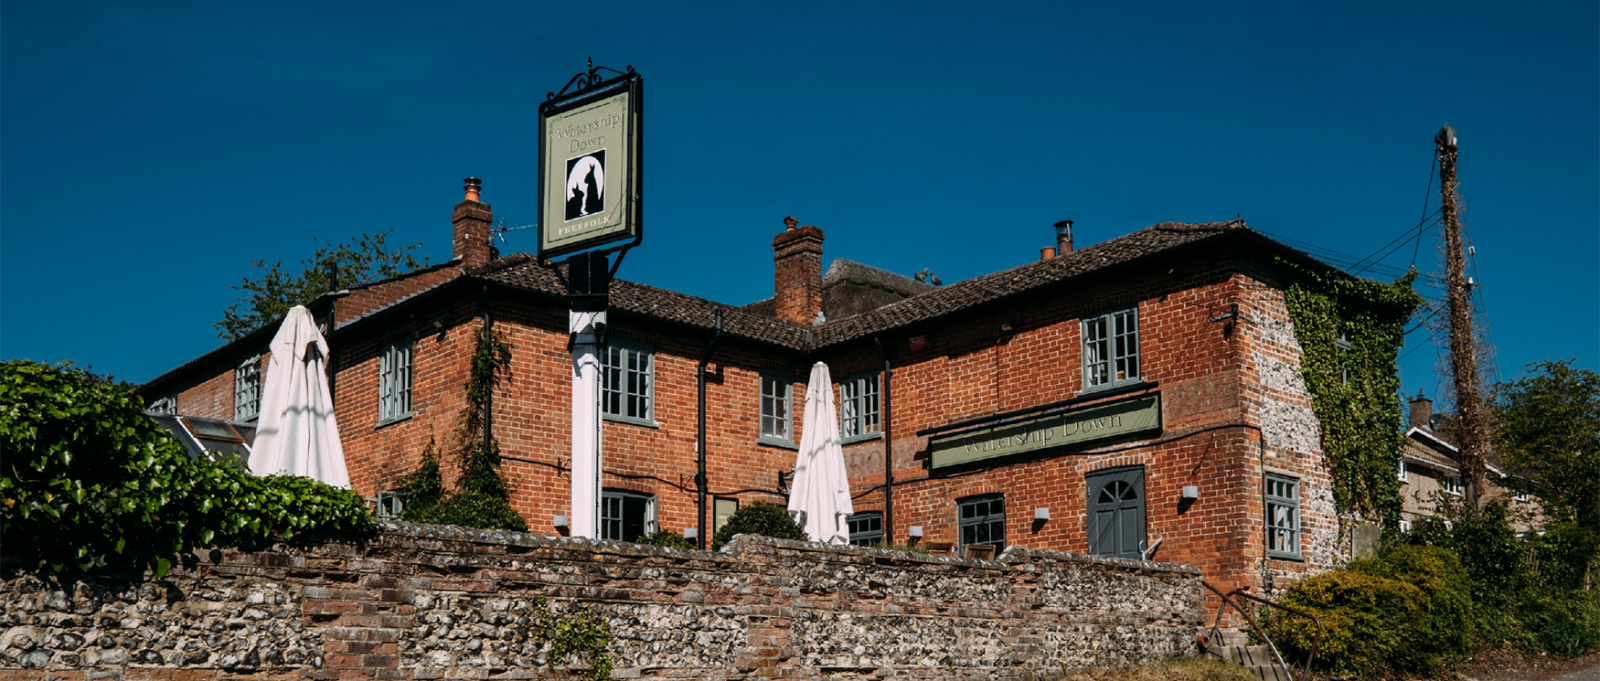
741,542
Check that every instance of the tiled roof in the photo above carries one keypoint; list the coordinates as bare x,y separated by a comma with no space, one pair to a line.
522,272
843,270
755,322
851,288
963,295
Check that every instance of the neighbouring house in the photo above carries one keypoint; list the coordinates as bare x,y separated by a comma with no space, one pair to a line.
1139,397
1431,475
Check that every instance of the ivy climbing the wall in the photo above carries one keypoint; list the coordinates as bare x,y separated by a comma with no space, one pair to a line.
480,498
1350,331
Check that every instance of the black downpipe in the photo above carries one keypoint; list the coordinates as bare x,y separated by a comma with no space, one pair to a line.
700,482
888,447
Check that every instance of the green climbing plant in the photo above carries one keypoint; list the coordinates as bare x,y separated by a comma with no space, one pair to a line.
481,498
579,634
1350,331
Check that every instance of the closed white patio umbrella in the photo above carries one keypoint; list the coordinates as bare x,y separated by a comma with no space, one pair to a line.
296,433
819,498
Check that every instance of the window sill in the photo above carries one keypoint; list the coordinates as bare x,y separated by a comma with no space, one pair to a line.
398,419
1125,385
629,421
1273,555
861,438
775,442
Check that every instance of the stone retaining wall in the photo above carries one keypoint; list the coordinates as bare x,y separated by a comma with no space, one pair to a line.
428,602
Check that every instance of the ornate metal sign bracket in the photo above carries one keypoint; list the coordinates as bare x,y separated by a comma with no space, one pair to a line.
589,80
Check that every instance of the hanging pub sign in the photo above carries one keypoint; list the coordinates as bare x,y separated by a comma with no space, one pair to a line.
590,153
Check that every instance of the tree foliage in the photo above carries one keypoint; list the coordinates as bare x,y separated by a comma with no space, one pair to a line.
92,485
361,260
1548,424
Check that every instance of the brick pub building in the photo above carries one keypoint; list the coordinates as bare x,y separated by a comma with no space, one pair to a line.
1139,396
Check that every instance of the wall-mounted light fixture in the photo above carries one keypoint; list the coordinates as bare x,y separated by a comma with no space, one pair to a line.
916,531
1191,492
1041,513
561,522
691,533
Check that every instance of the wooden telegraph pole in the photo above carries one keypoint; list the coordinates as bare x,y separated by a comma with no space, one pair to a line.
1472,431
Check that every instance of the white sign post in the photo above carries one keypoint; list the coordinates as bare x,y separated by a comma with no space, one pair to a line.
586,464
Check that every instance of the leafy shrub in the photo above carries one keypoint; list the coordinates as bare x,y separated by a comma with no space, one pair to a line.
761,518
92,485
1566,553
1438,574
1368,622
1494,558
667,538
1562,622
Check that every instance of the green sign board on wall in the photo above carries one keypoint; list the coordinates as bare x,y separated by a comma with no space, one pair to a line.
589,162
1079,426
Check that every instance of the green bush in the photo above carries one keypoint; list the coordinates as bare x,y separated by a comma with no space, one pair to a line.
1562,622
1438,574
1368,622
1495,559
762,518
667,538
92,485
1566,553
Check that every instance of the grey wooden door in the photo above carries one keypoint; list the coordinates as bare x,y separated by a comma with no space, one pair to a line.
1116,512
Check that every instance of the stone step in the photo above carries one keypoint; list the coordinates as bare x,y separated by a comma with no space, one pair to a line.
1258,659
1271,673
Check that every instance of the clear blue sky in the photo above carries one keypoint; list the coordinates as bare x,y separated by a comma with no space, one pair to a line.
150,150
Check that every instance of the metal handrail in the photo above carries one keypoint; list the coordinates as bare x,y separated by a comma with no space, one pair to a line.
1228,599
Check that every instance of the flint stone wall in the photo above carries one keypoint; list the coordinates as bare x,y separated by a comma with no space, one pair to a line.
429,602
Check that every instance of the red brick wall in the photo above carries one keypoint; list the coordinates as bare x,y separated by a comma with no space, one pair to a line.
1231,404
377,455
211,398
1211,416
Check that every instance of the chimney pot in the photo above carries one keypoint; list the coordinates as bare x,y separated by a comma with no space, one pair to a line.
1047,253
1064,237
470,241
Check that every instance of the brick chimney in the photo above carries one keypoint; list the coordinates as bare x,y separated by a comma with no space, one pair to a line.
471,219
1422,412
1064,237
797,272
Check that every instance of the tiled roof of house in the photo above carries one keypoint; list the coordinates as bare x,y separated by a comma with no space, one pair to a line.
851,288
988,288
523,272
755,322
